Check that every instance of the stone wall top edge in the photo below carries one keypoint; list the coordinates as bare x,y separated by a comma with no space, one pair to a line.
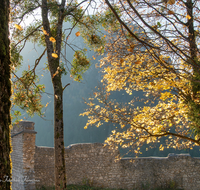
26,121
94,145
84,144
75,145
171,155
142,158
43,147
23,125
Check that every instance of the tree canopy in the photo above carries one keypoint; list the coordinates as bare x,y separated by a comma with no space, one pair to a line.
152,47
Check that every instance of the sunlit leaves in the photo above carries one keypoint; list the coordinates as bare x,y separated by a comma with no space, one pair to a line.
188,17
54,55
138,62
152,59
170,12
52,39
77,34
45,32
171,2
18,27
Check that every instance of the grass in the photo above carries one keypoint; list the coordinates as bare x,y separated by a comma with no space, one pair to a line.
86,187
78,187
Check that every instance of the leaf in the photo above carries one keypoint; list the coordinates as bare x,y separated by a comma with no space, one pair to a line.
158,23
188,17
130,50
55,73
78,34
54,55
138,62
18,27
170,12
171,2
161,148
121,60
45,32
52,39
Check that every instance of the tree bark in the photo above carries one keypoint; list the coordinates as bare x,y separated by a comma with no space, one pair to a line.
59,151
5,93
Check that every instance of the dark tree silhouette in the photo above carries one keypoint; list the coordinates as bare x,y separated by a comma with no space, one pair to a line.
5,93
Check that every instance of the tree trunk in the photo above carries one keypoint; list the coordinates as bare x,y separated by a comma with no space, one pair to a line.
59,151
5,93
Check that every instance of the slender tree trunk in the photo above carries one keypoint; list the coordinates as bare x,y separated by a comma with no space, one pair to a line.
59,151
5,93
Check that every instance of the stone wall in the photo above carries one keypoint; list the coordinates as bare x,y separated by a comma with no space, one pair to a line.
85,163
96,165
23,143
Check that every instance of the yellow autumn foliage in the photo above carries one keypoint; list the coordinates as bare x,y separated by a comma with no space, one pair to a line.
54,55
155,63
77,33
52,39
18,27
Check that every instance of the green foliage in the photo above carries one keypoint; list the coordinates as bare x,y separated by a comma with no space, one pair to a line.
80,64
73,13
54,8
109,20
62,69
15,115
16,58
27,93
87,182
90,28
168,186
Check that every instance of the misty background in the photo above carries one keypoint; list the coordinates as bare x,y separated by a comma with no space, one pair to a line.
73,95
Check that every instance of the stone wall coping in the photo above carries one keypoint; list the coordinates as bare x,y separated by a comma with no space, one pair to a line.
83,144
75,145
26,121
155,157
182,155
23,127
143,158
44,147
